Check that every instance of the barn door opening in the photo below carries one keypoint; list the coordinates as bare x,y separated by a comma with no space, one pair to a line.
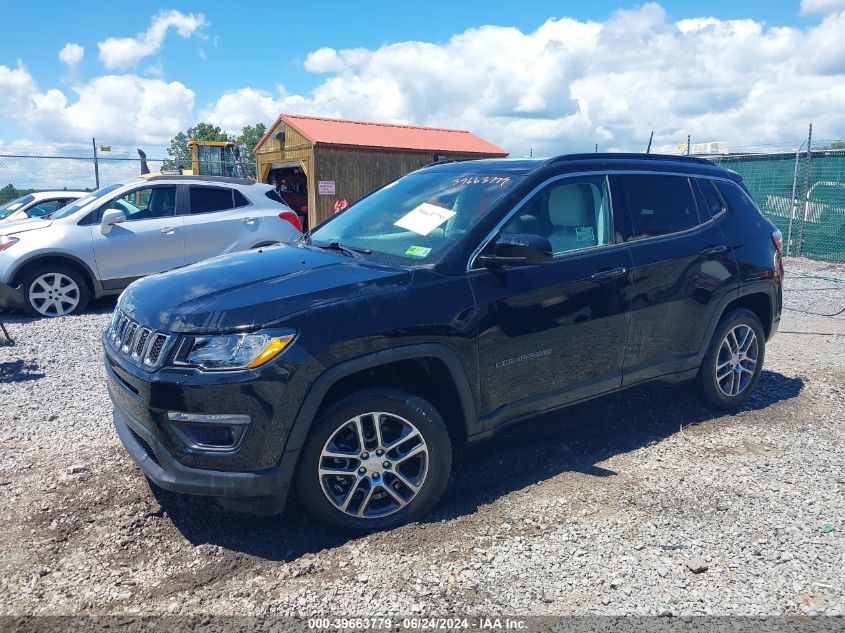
291,183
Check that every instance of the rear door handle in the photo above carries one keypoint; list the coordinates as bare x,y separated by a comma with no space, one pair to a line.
714,250
249,220
170,230
611,273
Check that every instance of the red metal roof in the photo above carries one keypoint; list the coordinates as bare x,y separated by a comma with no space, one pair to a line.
324,131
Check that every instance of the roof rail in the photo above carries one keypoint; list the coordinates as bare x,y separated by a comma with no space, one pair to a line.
227,179
628,156
444,161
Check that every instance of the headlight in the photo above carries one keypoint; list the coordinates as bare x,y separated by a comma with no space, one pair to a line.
231,351
6,241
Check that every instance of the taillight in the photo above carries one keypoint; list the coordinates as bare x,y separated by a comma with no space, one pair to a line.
292,218
777,238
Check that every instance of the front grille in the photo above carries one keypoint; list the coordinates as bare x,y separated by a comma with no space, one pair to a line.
143,346
145,446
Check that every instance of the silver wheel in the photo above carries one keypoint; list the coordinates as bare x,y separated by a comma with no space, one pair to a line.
54,294
736,361
373,465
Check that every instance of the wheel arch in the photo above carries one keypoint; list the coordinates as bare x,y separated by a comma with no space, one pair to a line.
369,370
60,259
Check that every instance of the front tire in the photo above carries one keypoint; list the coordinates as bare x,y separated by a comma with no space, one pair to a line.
734,360
375,460
53,291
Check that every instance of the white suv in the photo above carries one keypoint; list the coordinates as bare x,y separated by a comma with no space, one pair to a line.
104,241
37,204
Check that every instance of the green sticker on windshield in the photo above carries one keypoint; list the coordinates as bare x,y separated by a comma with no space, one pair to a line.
417,251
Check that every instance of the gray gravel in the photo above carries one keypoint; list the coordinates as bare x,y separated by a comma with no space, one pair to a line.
643,503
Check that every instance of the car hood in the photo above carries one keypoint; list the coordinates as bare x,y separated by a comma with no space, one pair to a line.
243,291
20,226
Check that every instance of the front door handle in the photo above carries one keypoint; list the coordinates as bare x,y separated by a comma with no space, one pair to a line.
170,230
610,273
714,250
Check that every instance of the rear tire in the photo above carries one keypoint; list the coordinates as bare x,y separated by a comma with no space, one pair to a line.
733,361
357,478
52,291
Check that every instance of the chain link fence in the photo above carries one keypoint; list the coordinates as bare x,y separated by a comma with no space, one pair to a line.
23,171
804,196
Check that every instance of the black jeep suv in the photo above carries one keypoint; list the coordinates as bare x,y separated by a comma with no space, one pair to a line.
429,314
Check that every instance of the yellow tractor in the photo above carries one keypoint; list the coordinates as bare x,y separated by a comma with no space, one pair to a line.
208,158
214,158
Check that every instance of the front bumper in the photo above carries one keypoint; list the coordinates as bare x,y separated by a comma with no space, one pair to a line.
166,472
255,477
10,298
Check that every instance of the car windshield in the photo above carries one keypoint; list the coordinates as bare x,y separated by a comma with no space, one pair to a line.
75,206
418,217
13,205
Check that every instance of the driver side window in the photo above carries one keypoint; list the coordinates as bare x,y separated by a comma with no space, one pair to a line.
145,204
572,213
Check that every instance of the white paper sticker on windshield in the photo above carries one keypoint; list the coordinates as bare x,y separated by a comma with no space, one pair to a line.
17,205
424,218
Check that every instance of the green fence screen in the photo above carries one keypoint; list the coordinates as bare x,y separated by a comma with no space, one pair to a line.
810,214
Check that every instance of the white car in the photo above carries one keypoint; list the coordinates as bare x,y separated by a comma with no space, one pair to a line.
38,204
104,241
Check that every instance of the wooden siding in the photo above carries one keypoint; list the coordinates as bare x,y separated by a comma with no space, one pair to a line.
358,171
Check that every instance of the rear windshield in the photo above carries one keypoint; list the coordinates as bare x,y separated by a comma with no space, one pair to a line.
418,217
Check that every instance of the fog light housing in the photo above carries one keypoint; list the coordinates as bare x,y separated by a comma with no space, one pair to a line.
209,432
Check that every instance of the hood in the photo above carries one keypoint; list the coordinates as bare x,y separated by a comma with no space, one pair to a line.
19,226
252,289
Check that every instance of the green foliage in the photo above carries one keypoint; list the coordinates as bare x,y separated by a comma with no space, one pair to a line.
179,154
9,192
834,145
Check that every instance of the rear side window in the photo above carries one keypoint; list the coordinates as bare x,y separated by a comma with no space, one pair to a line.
659,205
738,201
210,199
240,199
710,197
274,196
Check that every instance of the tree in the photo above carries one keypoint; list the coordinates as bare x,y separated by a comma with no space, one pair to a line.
249,137
179,154
834,145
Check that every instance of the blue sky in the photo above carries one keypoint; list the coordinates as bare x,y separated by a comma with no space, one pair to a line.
249,55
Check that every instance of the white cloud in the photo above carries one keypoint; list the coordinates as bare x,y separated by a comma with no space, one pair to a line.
126,52
821,7
71,55
570,84
114,108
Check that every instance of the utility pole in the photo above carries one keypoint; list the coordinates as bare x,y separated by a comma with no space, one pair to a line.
806,193
597,148
688,144
96,164
650,139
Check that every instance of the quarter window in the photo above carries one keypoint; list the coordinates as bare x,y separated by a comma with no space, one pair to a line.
210,199
572,213
659,205
713,203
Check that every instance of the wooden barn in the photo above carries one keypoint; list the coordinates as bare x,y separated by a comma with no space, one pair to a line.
318,165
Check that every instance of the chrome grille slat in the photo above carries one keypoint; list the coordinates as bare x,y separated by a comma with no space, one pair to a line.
142,345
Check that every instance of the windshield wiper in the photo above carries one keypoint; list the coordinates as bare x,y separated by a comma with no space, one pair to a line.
352,251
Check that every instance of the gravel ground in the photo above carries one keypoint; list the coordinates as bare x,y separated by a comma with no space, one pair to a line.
642,503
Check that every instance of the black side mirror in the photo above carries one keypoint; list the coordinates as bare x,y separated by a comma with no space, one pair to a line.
517,249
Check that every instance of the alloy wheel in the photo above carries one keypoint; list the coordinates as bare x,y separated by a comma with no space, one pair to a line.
736,361
54,294
373,465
